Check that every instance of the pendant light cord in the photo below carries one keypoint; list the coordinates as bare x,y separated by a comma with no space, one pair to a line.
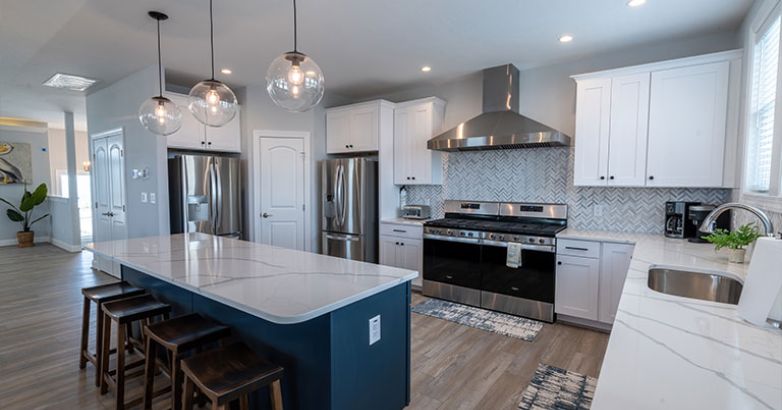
212,37
295,30
159,61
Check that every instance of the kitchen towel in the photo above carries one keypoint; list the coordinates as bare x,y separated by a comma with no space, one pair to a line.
513,260
763,284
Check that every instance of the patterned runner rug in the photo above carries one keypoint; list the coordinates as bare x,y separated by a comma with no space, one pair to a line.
488,320
553,388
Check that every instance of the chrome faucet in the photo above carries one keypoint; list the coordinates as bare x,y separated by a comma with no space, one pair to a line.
708,224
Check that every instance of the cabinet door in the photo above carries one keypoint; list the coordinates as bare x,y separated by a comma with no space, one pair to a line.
629,129
364,129
614,263
577,287
401,141
337,131
226,138
388,247
192,134
687,124
593,114
410,255
420,163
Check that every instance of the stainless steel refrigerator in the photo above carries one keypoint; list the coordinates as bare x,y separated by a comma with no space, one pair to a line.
349,208
204,194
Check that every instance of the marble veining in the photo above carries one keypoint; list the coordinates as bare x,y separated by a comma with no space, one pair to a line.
669,352
276,284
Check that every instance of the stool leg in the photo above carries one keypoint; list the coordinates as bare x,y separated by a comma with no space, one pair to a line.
244,402
105,349
85,333
187,395
276,392
149,372
129,336
176,386
98,346
120,393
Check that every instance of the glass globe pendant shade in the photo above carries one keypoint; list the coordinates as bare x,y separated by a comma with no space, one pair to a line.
160,116
212,103
295,82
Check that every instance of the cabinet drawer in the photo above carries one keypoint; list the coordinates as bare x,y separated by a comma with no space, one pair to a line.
402,230
585,249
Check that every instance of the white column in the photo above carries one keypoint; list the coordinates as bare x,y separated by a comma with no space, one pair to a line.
73,197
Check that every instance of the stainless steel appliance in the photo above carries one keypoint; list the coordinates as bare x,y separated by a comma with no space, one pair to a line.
416,212
466,256
500,126
676,219
349,208
204,194
698,213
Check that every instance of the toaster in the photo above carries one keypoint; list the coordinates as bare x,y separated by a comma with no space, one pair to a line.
416,212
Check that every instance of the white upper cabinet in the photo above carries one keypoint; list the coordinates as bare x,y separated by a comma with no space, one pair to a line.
195,135
415,122
687,121
666,124
354,128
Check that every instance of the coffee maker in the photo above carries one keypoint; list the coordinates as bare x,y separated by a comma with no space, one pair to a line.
676,220
695,216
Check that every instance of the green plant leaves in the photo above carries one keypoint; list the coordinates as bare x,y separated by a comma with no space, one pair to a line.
738,239
14,216
32,199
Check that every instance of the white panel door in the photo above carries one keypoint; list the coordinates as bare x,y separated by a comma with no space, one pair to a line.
629,129
227,138
282,192
337,131
100,178
593,114
687,124
614,263
576,292
116,166
108,191
364,129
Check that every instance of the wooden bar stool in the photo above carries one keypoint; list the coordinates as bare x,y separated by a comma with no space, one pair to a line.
228,373
178,336
125,312
100,295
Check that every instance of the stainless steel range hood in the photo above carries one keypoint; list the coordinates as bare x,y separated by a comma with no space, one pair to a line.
500,126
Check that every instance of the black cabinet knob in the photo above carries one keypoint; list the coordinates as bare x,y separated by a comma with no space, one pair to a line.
203,142
651,177
347,146
413,178
602,178
559,263
209,143
402,243
396,243
611,177
351,145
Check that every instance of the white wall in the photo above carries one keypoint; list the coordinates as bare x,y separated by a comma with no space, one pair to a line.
39,145
116,106
58,159
63,234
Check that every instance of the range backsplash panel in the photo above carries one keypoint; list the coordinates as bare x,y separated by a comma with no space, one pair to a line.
546,175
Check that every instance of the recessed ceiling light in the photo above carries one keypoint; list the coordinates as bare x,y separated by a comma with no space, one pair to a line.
69,82
426,69
226,71
636,3
565,38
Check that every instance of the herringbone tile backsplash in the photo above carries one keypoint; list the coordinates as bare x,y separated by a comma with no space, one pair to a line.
546,175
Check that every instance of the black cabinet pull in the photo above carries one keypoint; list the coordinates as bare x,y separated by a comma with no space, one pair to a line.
573,248
400,230
559,263
602,177
347,146
611,177
413,178
209,143
402,243
396,243
203,142
651,177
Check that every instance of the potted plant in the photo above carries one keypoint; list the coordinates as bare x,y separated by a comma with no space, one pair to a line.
736,241
24,214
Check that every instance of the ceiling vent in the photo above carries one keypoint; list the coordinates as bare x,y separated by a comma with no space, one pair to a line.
69,82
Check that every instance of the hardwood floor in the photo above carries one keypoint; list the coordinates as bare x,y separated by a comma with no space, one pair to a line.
454,367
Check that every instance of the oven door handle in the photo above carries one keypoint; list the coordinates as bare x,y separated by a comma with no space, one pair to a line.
452,239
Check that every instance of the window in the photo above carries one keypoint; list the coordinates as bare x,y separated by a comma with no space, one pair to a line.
763,162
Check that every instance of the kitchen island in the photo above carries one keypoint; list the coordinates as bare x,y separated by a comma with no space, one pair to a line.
306,312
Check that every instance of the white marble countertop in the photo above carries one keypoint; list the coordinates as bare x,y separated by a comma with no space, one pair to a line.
276,284
669,352
404,221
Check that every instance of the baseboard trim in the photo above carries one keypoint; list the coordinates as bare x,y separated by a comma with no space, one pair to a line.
579,322
12,242
66,246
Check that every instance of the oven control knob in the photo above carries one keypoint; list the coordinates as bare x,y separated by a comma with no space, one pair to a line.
491,236
501,237
541,240
461,233
469,234
515,239
531,239
448,232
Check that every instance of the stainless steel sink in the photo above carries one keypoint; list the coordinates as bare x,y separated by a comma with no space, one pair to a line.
695,285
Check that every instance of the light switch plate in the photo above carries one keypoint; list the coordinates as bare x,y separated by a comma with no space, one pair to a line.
152,198
374,330
143,197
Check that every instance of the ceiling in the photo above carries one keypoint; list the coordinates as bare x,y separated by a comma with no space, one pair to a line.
364,47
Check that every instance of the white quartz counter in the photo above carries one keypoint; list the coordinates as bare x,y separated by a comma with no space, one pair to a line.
404,221
276,284
669,352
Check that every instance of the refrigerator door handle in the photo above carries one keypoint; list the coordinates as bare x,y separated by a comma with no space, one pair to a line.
346,238
213,195
219,197
339,197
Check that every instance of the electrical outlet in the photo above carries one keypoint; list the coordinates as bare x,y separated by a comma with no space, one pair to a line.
374,330
143,197
152,198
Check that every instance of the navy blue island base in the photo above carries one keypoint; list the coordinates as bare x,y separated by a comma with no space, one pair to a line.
328,361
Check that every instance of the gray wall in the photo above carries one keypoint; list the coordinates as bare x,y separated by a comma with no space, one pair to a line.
116,106
39,145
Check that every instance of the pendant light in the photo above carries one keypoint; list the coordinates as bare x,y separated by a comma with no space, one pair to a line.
294,81
159,114
211,101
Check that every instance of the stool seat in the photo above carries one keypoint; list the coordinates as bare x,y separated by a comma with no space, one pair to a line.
112,291
232,369
184,332
134,308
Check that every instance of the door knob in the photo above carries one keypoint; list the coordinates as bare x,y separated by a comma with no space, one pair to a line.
266,215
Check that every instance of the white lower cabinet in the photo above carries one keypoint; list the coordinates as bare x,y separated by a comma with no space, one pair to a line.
590,278
402,247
